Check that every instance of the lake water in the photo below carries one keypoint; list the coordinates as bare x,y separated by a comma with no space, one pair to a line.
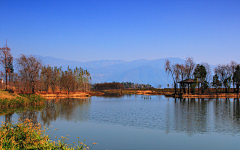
142,122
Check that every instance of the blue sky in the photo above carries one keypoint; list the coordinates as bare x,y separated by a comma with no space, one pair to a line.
123,29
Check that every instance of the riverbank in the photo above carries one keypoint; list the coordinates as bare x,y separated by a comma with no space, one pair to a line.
132,91
8,99
64,95
220,95
169,93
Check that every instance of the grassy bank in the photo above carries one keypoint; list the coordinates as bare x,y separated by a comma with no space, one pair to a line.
8,100
26,135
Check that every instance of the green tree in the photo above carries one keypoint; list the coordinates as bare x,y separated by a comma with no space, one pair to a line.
216,83
227,82
200,73
205,85
236,77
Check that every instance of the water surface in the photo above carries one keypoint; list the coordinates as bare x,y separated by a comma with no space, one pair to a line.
142,122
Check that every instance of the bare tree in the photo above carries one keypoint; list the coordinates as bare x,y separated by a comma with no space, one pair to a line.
29,69
55,80
67,80
181,71
173,71
5,57
224,73
46,74
209,72
189,67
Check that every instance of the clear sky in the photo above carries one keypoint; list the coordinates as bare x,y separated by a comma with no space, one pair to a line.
86,30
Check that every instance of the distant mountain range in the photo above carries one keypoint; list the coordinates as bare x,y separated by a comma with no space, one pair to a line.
140,71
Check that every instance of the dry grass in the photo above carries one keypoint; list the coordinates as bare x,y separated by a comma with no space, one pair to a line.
14,100
6,94
76,95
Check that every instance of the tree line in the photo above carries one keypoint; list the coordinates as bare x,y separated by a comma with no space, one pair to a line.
225,75
33,77
122,85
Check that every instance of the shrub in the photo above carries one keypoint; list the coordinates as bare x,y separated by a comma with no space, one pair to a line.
26,135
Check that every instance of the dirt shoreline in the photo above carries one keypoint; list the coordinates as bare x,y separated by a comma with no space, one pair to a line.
207,96
60,95
139,92
171,94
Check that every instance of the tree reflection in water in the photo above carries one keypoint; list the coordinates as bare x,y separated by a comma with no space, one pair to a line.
236,110
31,114
190,115
172,115
70,109
8,118
24,112
206,115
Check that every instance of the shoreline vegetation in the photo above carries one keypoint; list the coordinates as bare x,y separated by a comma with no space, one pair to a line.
27,135
168,92
191,77
11,100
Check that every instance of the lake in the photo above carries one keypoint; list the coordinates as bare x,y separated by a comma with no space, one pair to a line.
141,122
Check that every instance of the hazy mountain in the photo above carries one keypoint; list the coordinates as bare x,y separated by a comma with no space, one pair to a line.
140,71
146,75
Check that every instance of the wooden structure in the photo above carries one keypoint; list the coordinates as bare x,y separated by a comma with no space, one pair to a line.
188,82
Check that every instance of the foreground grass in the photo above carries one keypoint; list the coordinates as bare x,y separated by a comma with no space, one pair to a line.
13,100
26,135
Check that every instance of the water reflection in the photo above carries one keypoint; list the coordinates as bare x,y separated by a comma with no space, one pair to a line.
226,116
8,118
114,95
69,109
236,110
23,112
31,114
206,115
189,116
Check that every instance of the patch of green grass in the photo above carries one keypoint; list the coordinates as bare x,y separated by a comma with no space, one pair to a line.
21,100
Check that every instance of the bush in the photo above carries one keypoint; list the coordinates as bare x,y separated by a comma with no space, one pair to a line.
26,135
